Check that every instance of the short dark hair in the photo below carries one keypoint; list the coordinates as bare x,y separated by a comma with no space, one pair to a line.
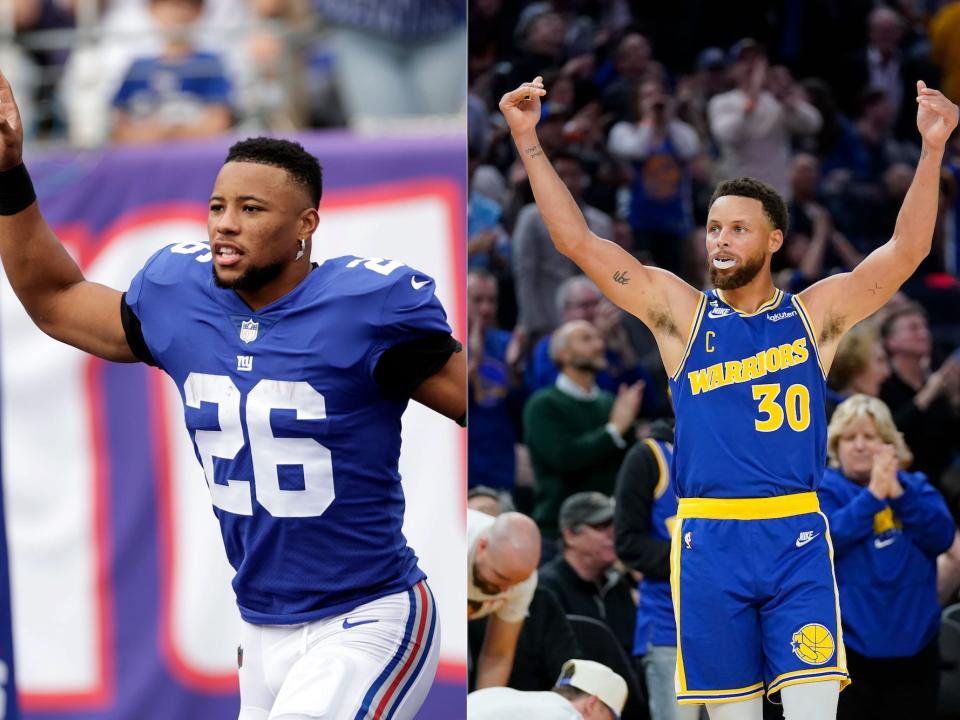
910,308
774,206
302,167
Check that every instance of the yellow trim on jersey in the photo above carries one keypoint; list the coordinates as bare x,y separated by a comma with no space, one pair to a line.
841,648
798,677
749,508
768,305
664,479
694,329
680,679
707,697
811,331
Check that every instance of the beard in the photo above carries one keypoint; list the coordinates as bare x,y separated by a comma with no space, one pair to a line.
589,364
252,279
739,277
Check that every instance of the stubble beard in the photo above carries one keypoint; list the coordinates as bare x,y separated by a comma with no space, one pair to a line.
252,279
739,277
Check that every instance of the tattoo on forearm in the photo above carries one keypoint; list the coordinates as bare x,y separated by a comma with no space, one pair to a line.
924,153
534,151
873,290
620,276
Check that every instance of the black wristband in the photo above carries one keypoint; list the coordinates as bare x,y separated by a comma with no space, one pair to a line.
16,190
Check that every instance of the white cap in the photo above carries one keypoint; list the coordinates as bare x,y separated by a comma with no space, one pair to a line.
595,679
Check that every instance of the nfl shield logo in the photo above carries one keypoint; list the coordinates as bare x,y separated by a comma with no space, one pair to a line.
248,330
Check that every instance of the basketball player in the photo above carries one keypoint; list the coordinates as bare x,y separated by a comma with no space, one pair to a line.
294,377
751,571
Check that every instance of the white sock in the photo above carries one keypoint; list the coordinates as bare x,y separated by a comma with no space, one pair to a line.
811,701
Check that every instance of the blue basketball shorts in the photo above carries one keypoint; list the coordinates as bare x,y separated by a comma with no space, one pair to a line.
755,598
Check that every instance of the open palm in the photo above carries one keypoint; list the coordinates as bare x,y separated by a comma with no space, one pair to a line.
936,116
11,129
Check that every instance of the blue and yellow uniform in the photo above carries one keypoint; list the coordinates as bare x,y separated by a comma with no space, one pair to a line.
655,622
754,593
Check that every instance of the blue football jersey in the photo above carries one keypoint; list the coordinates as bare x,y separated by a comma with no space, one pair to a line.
298,445
749,398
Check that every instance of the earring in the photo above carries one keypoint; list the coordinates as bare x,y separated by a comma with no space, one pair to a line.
300,252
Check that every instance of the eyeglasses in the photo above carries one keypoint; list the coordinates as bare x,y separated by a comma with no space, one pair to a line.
606,525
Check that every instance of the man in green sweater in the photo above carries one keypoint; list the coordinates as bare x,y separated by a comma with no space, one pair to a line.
577,433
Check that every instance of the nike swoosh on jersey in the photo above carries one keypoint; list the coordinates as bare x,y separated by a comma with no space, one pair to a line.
804,541
881,543
417,285
347,624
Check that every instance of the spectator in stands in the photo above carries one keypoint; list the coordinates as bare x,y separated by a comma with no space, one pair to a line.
754,122
860,365
398,60
585,690
923,402
694,92
502,558
585,576
546,640
181,93
887,527
494,386
646,507
488,500
538,268
576,432
882,65
659,148
578,298
632,62
813,248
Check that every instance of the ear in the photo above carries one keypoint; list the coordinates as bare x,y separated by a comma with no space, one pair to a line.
775,241
308,220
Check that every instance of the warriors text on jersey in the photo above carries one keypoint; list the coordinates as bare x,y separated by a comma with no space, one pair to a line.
298,443
749,398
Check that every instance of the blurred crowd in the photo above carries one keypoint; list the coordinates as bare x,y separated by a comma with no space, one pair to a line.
648,106
144,71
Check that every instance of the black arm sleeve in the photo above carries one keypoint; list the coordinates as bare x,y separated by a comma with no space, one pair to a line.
402,368
134,333
636,483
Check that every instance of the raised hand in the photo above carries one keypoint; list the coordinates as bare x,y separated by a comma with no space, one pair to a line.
11,128
936,116
521,107
626,406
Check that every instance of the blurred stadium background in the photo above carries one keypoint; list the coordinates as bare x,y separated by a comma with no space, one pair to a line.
120,587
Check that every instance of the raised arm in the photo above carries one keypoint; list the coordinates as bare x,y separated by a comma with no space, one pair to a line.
659,298
43,275
839,302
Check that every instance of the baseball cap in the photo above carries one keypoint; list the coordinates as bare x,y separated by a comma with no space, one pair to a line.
585,508
744,46
595,679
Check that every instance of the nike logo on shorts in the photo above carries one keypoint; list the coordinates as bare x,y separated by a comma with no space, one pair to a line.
881,543
806,537
347,624
418,285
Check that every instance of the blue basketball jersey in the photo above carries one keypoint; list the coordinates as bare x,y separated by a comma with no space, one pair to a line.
298,445
749,397
655,621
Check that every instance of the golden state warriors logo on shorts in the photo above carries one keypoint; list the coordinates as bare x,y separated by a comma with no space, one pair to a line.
813,644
